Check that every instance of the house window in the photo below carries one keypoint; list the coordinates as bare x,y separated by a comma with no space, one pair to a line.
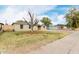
43,26
21,26
29,27
39,27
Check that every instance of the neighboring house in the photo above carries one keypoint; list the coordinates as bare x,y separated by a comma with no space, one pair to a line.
1,25
23,26
20,26
60,26
40,27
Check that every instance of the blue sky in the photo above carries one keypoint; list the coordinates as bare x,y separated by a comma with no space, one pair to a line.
12,13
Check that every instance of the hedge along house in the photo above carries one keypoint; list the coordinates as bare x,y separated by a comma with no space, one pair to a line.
1,25
23,26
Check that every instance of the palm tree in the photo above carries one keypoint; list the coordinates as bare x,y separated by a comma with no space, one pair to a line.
33,21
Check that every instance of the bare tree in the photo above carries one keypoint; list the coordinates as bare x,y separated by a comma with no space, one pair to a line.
33,21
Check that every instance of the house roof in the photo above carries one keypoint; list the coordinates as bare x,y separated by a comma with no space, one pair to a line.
40,23
60,25
1,23
24,23
20,22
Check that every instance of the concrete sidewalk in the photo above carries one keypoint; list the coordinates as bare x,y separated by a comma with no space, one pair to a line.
67,45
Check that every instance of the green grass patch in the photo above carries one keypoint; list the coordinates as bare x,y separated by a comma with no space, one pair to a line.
20,42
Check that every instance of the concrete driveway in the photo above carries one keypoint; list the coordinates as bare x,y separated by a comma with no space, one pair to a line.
66,45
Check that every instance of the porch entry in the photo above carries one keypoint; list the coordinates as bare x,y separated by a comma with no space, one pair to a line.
39,27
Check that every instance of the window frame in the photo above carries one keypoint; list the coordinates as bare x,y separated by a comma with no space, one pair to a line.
21,26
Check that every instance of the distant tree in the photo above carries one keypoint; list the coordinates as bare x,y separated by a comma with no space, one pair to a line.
72,18
46,21
33,21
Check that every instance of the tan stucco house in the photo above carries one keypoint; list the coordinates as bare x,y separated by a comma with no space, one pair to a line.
23,26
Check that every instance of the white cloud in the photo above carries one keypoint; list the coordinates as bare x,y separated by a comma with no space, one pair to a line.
41,16
57,18
61,19
54,19
37,9
13,13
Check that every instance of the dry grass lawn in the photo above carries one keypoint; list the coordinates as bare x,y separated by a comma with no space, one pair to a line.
23,42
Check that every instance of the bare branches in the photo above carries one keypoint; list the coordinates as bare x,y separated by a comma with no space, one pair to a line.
26,21
33,21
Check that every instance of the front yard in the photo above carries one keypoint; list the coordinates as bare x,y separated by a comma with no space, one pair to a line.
23,42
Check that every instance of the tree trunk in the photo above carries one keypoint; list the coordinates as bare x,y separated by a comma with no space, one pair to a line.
32,28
